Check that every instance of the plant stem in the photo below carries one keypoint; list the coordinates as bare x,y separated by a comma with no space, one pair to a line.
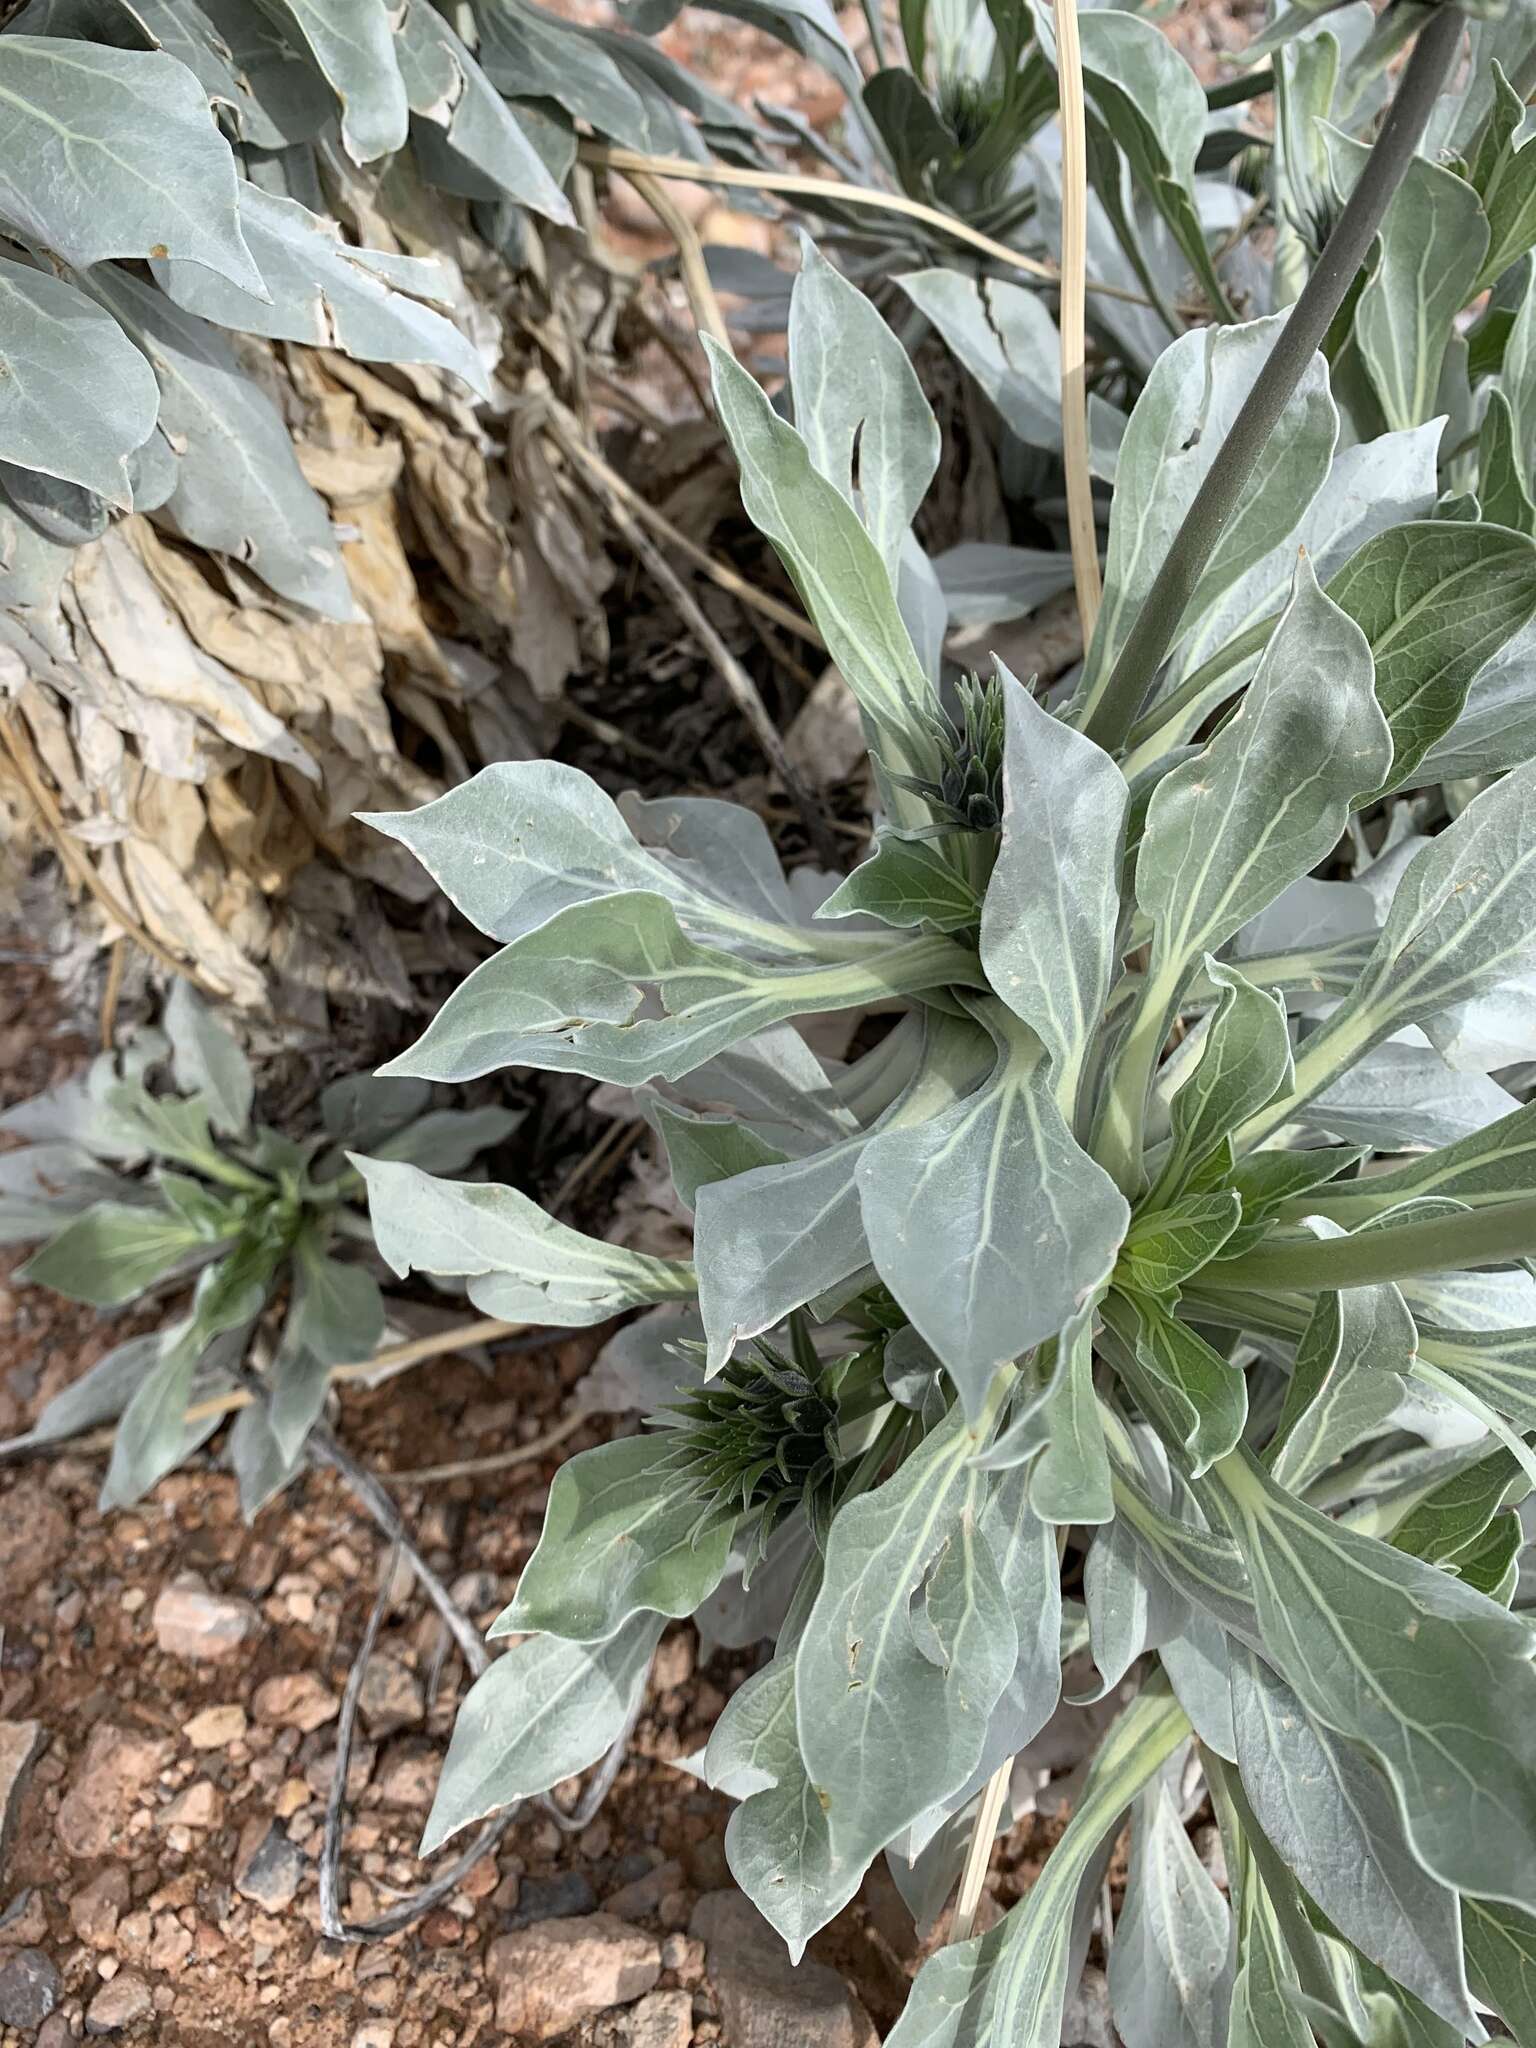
1152,636
1253,86
1440,1244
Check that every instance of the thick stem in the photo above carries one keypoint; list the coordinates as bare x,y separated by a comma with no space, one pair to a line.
1150,639
1440,1244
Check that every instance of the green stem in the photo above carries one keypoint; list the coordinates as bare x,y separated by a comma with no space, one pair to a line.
1252,86
1152,636
1440,1244
1192,690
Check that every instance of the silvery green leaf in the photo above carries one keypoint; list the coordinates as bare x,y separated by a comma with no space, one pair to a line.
1406,1095
152,471
649,1362
1181,418
1332,1816
1335,1608
1011,1985
836,567
1165,1247
751,1603
289,101
524,840
1070,1480
361,1110
776,1236
1050,921
1370,487
853,382
725,847
42,1186
1131,1607
1003,335
1432,244
207,1060
1149,99
1501,1961
336,1313
986,585
79,1112
60,512
907,1649
621,1537
111,1252
571,996
1269,796
1436,601
1198,1663
1202,1568
1170,1971
1264,1998
778,1082
153,1435
1463,921
101,1394
1498,1366
809,26
1496,728
77,397
114,153
1023,1543
521,1263
1494,1164
327,293
528,54
1493,1030
239,488
989,1223
179,27
352,42
261,1466
1197,1398
1347,1381
448,1140
451,96
32,567
1245,1057
702,1150
544,1710
1500,485
1455,1513
777,1842
905,883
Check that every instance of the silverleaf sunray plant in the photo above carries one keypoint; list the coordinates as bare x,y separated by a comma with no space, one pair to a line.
1175,1221
139,1191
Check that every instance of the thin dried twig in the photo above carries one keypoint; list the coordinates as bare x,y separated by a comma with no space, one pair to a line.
495,1461
795,184
744,692
323,1448
614,487
1074,275
117,960
690,255
979,1853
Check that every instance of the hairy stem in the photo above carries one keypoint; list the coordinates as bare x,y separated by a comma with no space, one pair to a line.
1440,1244
1147,645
